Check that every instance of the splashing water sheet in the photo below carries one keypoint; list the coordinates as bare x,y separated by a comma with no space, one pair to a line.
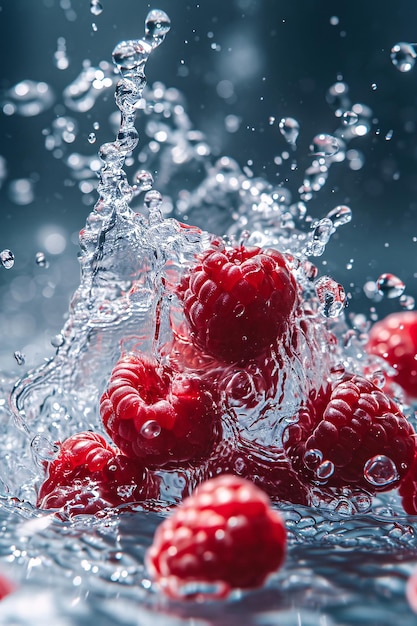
157,191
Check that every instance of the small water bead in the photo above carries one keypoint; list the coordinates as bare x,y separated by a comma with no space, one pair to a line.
350,118
324,145
378,378
331,296
380,471
153,200
312,458
390,286
60,56
131,54
403,56
337,97
340,215
321,235
28,98
290,129
41,260
407,302
325,470
20,357
127,139
92,138
7,259
150,429
96,8
58,340
144,180
128,93
157,25
43,449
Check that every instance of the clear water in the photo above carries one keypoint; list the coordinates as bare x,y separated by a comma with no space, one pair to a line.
348,557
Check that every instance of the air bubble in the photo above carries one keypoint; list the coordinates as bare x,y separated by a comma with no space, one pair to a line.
378,378
7,259
403,56
150,429
325,470
324,145
20,357
312,458
390,286
331,296
290,129
58,340
380,471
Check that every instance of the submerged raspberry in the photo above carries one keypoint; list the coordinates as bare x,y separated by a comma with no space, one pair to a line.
352,435
224,536
89,475
238,301
408,489
161,417
395,339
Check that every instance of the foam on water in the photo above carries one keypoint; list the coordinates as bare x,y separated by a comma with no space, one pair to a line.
129,260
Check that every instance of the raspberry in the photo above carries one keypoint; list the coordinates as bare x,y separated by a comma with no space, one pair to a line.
161,417
89,475
408,489
352,435
6,587
237,301
224,536
395,340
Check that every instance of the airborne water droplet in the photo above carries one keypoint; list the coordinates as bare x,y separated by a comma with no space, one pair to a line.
340,215
403,56
290,129
150,429
390,286
92,138
331,296
407,302
144,180
131,54
349,118
325,470
20,357
96,8
41,260
324,145
7,259
380,471
157,25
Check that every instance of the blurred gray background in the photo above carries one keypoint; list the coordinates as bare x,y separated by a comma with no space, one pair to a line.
251,59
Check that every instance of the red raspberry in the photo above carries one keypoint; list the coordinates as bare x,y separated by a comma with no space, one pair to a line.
237,301
6,587
224,536
355,435
408,489
395,340
159,416
89,475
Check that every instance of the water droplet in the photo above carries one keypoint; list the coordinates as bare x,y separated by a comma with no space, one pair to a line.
340,215
407,302
290,129
325,470
131,54
153,200
20,357
331,296
337,97
321,235
58,341
378,378
374,86
41,260
390,286
389,135
150,429
92,138
144,180
350,118
403,56
127,139
92,82
28,98
380,471
7,259
96,8
43,449
324,145
312,458
157,25
21,191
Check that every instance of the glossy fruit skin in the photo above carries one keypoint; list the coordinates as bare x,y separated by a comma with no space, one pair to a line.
394,338
350,427
224,536
237,301
159,416
89,475
408,488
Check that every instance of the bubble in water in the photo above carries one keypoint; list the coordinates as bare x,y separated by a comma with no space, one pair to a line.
340,215
349,118
28,98
325,470
20,357
150,429
58,340
403,56
131,54
290,129
407,302
157,25
7,259
144,180
390,286
312,458
92,138
41,260
378,378
380,471
96,8
43,449
21,191
331,296
324,145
